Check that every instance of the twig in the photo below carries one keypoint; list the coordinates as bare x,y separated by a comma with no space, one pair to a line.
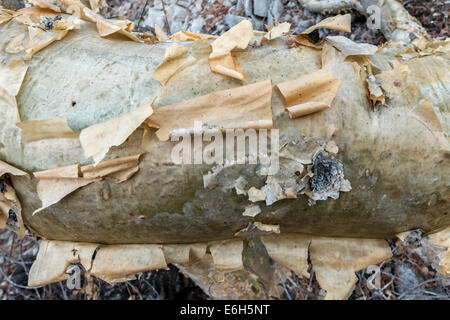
16,284
283,281
142,13
421,284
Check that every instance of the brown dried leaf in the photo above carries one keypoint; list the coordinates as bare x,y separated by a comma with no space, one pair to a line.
184,253
339,22
220,58
34,130
160,34
106,27
119,169
335,261
96,140
310,93
117,263
176,59
183,36
8,202
227,255
277,31
5,15
304,40
442,239
55,257
11,77
289,250
55,184
39,39
7,168
239,108
8,101
51,191
351,48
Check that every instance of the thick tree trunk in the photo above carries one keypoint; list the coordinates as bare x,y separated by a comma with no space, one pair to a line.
395,164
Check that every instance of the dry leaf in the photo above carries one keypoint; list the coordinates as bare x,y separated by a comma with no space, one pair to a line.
351,48
11,76
376,93
111,262
335,261
176,59
227,255
160,34
44,27
229,286
16,45
183,253
304,40
5,15
55,184
277,31
339,22
116,263
147,37
310,93
9,101
106,27
118,170
442,239
183,36
220,58
10,207
239,108
96,140
289,250
55,257
39,39
7,168
34,130
51,191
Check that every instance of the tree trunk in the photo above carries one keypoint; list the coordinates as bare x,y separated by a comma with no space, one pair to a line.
395,164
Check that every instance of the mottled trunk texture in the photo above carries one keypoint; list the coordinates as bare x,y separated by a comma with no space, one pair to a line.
396,167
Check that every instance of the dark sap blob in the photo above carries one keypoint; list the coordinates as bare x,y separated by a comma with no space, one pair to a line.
324,169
